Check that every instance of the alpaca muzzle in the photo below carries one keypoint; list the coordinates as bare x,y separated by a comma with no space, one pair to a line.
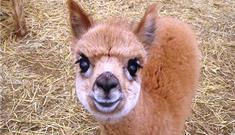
106,92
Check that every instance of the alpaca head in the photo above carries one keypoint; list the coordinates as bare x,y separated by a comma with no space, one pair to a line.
109,57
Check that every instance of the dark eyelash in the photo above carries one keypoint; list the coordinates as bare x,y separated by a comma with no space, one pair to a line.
81,56
77,61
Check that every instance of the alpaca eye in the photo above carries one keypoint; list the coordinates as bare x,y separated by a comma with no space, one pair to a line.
133,66
84,63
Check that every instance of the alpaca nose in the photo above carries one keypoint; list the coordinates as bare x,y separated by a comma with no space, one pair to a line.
107,81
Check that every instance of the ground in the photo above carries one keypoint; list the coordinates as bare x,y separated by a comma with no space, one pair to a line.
37,75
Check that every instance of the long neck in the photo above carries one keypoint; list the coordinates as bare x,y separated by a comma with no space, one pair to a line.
142,119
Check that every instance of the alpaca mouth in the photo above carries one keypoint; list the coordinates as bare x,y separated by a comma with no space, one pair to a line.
107,103
106,106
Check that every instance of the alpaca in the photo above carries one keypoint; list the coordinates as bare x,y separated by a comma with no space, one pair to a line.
135,78
19,18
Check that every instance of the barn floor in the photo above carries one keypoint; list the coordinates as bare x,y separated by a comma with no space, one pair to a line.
37,75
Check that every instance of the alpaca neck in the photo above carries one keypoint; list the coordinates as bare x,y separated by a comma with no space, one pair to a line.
141,120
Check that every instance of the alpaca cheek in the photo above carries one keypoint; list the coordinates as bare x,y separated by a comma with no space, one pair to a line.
82,91
132,95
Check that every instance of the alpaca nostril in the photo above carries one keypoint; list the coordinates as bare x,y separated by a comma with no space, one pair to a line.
107,81
112,85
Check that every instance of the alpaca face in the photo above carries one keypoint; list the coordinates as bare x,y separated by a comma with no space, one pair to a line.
108,79
108,58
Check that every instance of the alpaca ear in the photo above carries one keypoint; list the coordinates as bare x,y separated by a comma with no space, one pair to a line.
145,29
79,20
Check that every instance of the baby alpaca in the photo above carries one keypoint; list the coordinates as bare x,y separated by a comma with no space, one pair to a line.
136,79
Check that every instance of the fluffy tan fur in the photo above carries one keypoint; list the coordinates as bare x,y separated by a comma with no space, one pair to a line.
19,17
169,79
169,76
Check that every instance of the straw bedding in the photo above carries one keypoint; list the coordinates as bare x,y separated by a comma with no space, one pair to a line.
37,75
